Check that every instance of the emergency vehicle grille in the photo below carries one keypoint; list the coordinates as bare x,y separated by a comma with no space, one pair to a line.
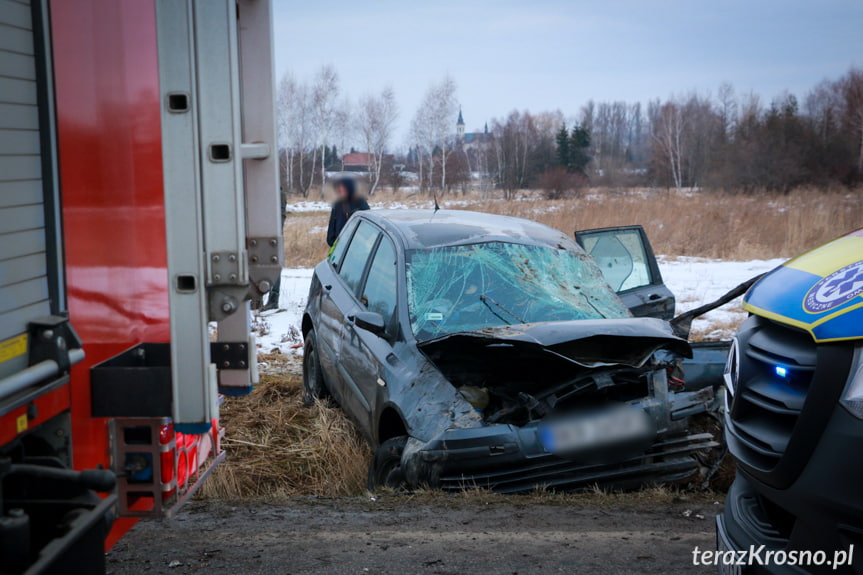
777,365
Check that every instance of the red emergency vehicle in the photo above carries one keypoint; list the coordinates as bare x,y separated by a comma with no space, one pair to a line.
139,217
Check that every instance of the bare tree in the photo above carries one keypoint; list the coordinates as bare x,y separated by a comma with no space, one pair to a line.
325,98
297,132
445,109
433,125
343,128
422,137
669,126
727,108
286,101
516,141
375,121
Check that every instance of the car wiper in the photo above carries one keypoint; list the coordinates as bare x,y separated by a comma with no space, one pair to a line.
486,299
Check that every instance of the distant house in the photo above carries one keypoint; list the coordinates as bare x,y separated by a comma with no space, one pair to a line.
357,162
363,162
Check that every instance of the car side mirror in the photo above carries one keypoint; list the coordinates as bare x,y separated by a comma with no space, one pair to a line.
370,321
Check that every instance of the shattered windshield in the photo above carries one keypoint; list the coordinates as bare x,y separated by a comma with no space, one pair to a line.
470,287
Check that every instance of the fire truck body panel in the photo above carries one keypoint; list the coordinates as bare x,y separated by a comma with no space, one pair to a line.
108,124
138,204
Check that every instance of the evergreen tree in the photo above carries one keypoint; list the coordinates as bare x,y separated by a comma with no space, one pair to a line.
564,157
579,149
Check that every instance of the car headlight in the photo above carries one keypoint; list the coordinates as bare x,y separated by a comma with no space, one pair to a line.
732,367
852,398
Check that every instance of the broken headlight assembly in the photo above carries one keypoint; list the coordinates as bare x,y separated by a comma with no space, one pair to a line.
852,397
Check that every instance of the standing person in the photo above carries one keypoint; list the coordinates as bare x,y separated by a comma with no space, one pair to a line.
347,202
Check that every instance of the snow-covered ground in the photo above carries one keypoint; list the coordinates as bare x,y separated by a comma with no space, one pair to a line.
280,329
307,206
695,281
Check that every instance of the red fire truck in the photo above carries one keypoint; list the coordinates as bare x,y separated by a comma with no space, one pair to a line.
139,217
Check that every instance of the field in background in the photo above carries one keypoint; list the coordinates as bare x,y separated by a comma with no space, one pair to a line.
716,225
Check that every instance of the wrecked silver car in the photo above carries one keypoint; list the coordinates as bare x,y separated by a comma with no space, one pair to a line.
482,350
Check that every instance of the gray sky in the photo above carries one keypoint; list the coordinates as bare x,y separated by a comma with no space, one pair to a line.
557,54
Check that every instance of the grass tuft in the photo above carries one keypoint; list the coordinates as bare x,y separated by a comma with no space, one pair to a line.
279,448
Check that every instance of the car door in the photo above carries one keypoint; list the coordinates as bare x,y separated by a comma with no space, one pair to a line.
331,319
363,351
628,264
341,301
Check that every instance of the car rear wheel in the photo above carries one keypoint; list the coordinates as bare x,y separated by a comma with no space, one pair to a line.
386,467
313,378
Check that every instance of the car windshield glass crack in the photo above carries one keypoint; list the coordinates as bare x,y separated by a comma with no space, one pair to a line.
470,287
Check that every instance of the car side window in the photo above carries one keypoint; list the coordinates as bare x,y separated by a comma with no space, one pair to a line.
357,255
379,293
341,244
620,255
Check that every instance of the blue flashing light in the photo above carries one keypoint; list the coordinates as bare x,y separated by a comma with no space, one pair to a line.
781,371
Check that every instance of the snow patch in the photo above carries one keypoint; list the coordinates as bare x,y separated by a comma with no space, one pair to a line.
281,329
697,281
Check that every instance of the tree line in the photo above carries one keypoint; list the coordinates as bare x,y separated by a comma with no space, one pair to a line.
314,121
721,140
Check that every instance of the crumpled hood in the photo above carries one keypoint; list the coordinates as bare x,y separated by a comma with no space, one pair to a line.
589,343
820,291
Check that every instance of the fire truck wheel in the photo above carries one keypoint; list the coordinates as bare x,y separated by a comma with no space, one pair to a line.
313,378
386,467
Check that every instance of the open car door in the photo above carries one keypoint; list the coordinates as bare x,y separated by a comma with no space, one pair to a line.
626,259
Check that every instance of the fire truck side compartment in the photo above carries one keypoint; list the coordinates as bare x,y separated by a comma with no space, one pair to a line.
31,283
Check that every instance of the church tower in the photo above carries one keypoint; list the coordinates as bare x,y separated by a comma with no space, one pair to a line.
459,126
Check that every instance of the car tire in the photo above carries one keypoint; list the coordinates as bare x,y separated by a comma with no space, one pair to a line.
314,387
386,466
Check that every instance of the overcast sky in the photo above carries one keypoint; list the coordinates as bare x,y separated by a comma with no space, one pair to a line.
557,54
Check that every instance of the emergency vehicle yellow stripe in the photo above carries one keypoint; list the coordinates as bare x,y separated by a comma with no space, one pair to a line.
828,258
776,317
842,311
802,325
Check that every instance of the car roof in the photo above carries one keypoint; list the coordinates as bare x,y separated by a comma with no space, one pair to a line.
421,229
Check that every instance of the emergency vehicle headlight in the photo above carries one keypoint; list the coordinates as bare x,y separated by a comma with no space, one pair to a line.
852,398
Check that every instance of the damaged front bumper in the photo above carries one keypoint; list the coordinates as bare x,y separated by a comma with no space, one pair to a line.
507,458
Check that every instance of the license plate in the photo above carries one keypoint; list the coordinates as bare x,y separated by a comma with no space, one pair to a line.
595,430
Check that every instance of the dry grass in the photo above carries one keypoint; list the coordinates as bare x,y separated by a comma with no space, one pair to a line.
278,448
706,224
305,239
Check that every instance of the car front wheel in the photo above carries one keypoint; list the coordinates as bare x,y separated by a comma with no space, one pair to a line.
313,378
386,467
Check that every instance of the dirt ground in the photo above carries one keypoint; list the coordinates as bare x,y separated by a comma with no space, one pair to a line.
405,535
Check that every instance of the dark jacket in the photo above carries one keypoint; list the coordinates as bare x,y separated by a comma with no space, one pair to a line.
340,214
